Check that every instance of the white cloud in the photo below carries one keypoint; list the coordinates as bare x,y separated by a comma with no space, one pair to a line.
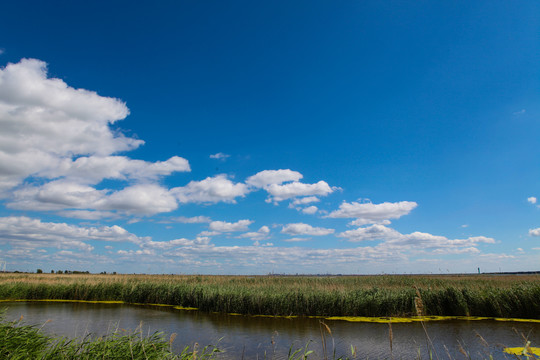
268,177
191,220
428,241
304,201
57,195
373,232
208,233
264,230
144,199
305,229
532,200
310,210
219,156
87,214
260,234
163,245
223,226
26,237
291,190
93,169
417,241
297,239
135,252
44,121
210,190
51,131
141,199
273,182
496,257
534,232
362,222
24,232
369,213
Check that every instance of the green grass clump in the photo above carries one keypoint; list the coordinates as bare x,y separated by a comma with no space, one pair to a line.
25,342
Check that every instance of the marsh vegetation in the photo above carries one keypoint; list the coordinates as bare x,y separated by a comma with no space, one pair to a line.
516,296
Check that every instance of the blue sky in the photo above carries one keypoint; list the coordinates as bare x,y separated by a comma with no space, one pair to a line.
249,137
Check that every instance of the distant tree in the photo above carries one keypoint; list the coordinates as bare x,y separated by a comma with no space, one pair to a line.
39,271
52,271
59,271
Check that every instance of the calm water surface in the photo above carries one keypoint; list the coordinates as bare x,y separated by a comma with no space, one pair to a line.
255,336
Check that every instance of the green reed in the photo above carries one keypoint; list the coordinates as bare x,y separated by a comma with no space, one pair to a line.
492,296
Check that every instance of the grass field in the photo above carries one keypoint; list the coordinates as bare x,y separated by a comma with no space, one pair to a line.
509,296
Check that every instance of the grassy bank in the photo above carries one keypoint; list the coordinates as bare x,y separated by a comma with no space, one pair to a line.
516,296
20,341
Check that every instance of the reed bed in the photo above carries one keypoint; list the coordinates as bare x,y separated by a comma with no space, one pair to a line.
509,296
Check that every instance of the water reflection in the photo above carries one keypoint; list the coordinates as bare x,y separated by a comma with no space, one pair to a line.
255,336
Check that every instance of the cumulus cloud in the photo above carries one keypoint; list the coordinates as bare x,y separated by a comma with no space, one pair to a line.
532,200
143,199
62,137
209,233
260,234
304,201
44,121
164,245
268,177
24,232
210,190
25,237
219,156
305,229
297,239
56,195
93,169
284,184
223,226
255,257
428,241
310,210
88,214
534,232
295,189
415,241
369,213
190,220
139,199
373,232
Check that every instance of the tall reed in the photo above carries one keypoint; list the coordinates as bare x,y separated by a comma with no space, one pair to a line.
492,296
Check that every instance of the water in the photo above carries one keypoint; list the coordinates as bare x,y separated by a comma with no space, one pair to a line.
253,337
